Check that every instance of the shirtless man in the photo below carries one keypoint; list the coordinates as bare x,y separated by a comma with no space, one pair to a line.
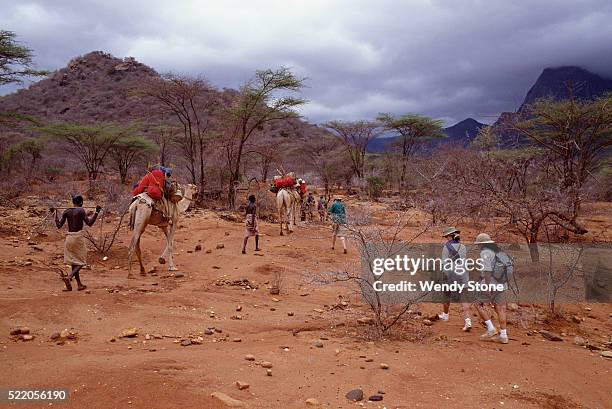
75,249
252,225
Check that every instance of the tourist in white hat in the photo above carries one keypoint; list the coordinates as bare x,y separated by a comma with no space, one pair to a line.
489,252
455,252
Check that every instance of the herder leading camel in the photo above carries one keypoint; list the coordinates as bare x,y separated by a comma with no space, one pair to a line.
142,215
287,201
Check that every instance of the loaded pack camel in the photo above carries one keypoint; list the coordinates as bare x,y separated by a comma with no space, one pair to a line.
287,202
142,214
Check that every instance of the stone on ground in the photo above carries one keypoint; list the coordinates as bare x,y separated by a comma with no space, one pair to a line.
356,395
551,336
227,400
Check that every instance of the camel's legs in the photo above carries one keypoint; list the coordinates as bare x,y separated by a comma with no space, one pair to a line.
140,224
167,254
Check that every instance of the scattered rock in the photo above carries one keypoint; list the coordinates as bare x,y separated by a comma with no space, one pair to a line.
186,342
375,398
227,400
312,402
68,334
242,385
579,341
356,395
576,319
198,247
129,332
427,322
606,354
208,332
290,314
55,335
266,364
269,372
220,246
27,337
237,340
179,275
249,357
551,336
384,366
239,308
318,343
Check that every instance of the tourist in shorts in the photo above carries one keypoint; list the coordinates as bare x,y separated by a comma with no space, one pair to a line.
488,253
456,252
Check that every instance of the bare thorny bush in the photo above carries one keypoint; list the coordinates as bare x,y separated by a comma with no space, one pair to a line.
115,203
375,242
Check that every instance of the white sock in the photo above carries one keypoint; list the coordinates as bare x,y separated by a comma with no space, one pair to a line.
490,326
503,333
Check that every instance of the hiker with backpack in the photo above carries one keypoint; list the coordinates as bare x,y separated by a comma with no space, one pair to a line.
497,269
456,252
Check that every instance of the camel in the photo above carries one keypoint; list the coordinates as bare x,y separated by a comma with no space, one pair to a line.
142,215
286,204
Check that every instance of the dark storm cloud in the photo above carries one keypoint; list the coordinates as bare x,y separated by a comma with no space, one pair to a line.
447,59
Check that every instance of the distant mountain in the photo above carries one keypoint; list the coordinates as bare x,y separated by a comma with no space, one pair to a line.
459,134
562,82
555,83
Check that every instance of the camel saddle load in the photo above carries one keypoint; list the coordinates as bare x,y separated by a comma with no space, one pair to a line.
158,192
288,181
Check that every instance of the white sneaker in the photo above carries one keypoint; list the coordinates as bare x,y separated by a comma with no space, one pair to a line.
443,317
489,335
500,339
467,327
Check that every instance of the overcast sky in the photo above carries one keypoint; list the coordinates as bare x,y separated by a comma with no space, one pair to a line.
448,59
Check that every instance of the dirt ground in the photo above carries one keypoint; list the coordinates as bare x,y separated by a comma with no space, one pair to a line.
440,367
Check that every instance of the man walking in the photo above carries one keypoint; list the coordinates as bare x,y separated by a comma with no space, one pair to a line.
338,216
252,226
453,256
491,255
75,248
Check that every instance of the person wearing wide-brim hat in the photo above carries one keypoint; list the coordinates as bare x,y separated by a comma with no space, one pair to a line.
453,261
488,252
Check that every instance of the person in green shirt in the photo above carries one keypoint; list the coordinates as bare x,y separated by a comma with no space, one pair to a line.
338,216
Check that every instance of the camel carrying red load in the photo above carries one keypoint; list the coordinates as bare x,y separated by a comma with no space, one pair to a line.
284,181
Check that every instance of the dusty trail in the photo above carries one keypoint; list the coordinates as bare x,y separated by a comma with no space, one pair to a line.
445,368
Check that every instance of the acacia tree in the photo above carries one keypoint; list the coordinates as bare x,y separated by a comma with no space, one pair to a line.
324,155
574,136
127,150
409,130
192,101
90,143
356,136
15,60
164,136
25,154
257,105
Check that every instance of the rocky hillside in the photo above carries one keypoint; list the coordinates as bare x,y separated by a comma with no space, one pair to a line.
99,87
94,87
